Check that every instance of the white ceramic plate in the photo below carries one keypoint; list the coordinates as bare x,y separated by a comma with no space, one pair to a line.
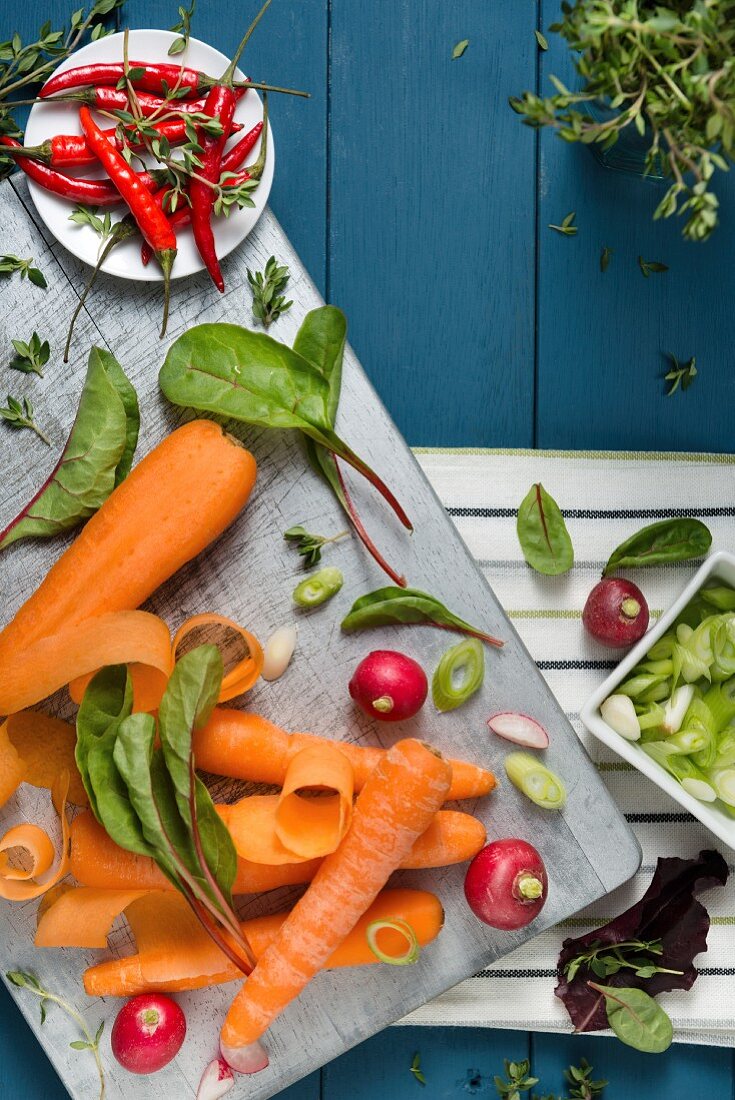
720,566
47,119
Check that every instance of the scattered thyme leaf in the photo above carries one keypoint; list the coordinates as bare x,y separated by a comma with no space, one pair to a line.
582,1087
10,264
541,39
648,266
567,227
310,546
460,48
23,980
605,257
20,415
415,1069
31,357
268,302
680,374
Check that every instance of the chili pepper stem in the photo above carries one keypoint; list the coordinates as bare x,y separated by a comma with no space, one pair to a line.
33,152
229,72
166,260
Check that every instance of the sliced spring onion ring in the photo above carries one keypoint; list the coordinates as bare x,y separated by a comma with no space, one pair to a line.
319,587
403,928
536,781
459,675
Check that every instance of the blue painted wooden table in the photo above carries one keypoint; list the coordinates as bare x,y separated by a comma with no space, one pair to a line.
421,205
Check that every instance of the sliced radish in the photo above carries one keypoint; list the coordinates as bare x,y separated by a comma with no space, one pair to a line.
520,729
217,1079
248,1059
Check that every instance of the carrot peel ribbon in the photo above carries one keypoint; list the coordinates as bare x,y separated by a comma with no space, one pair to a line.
21,883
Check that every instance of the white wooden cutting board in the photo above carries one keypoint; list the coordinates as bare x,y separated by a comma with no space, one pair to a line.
248,575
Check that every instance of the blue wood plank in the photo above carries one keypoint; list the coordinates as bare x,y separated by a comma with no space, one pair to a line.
694,1072
457,1062
25,1072
431,213
289,48
603,337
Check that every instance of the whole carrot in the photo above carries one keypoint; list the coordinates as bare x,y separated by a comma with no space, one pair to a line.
173,503
151,220
97,861
94,192
396,805
243,745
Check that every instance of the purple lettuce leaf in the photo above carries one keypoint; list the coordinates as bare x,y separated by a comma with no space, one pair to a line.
669,912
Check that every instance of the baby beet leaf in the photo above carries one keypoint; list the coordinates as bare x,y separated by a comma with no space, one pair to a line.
678,539
637,1020
395,606
543,534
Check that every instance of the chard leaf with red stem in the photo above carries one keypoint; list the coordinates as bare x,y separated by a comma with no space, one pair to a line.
668,915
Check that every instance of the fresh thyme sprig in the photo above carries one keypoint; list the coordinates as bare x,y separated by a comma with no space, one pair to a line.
604,959
19,414
9,264
31,357
680,375
666,71
580,1079
310,546
87,215
23,65
268,302
518,1080
183,27
24,980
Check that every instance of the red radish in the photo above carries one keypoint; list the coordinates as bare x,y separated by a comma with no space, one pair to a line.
147,1033
616,612
389,686
506,884
217,1079
520,729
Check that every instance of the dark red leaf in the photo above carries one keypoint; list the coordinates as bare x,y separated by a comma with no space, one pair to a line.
668,911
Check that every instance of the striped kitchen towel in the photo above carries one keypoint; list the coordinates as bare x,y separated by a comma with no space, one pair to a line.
605,496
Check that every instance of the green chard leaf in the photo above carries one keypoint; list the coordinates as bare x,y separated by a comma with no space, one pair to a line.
678,539
636,1018
249,376
396,606
97,457
543,534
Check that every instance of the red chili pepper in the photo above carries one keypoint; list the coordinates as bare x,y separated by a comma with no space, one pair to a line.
152,78
231,161
71,150
148,215
92,192
112,99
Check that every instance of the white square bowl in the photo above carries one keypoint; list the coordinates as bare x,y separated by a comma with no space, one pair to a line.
720,566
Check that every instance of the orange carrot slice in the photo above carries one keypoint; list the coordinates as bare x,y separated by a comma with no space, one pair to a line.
12,768
314,826
396,805
45,747
82,917
246,672
34,844
174,954
247,746
32,674
251,823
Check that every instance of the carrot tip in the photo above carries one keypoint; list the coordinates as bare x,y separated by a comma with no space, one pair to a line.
248,1059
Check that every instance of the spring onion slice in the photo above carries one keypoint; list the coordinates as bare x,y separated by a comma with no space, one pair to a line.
413,949
536,781
318,588
459,675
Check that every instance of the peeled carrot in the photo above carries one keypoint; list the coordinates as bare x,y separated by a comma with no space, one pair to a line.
396,805
174,954
246,746
97,861
176,501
